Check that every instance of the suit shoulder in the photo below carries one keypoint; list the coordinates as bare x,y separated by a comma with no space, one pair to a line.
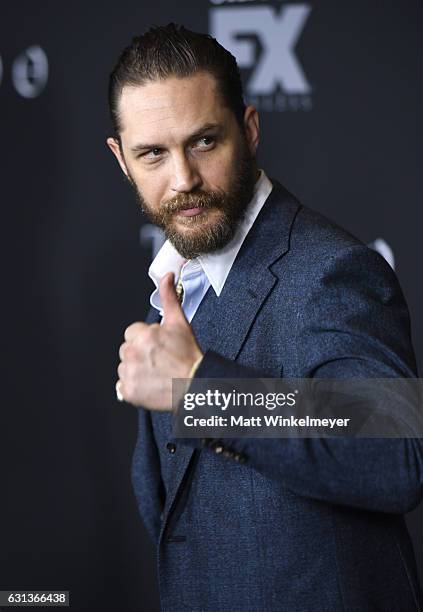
312,229
325,245
318,244
308,228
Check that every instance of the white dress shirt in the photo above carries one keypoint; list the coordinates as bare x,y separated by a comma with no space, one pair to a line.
210,269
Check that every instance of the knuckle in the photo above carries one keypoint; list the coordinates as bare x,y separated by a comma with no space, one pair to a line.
133,391
146,336
131,353
131,372
121,370
127,332
122,351
129,392
131,331
127,352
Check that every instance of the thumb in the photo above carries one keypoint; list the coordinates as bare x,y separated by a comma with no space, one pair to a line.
172,311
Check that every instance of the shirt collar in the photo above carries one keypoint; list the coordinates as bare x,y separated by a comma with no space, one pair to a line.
218,264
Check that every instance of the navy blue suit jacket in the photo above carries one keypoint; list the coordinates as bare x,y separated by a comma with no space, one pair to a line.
307,525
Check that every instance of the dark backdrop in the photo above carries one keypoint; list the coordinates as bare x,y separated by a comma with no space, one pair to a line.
341,127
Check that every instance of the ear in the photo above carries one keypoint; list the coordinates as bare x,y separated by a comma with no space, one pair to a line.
251,127
115,148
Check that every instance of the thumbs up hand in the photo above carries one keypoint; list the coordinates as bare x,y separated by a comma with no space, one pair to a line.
154,354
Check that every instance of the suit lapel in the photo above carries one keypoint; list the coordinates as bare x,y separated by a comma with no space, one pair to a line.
222,323
152,316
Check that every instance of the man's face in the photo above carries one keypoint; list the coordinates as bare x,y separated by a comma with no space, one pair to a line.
190,163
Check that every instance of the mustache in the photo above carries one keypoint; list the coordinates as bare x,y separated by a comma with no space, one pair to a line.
184,201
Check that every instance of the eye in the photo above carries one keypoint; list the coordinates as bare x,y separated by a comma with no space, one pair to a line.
206,142
152,154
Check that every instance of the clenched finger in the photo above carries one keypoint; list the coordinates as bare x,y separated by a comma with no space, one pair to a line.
133,330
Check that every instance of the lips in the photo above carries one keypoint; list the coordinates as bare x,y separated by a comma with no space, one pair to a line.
190,212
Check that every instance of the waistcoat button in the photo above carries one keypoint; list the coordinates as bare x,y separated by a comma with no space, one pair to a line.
171,447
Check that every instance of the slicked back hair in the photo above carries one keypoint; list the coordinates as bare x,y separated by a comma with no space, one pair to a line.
173,51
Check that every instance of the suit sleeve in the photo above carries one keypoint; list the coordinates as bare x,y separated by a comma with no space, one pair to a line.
353,322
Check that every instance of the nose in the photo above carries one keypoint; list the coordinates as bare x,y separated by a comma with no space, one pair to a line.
185,174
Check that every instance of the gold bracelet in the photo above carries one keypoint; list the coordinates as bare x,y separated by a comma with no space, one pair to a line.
194,368
192,372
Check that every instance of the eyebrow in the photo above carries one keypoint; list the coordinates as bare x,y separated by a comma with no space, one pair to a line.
205,128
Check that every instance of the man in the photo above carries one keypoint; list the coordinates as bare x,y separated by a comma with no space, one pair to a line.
270,288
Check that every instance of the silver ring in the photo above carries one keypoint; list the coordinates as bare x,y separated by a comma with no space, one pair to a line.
119,395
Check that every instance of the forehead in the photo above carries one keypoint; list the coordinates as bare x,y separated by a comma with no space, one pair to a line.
170,107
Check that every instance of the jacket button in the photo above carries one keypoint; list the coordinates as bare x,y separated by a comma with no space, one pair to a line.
171,447
218,448
241,458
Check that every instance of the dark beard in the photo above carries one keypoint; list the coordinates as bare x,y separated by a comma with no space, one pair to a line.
231,204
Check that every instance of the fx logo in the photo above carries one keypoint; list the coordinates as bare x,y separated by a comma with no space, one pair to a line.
263,40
